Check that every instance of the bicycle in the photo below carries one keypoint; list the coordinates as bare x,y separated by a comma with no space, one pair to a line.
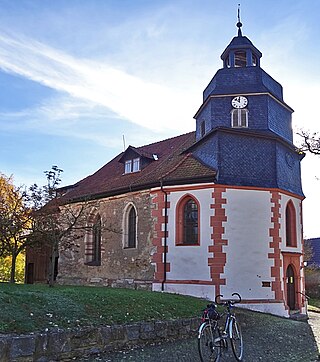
212,339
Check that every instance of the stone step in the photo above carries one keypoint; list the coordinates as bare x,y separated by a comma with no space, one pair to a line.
299,317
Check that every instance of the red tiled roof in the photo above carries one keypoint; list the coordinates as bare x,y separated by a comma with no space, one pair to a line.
172,167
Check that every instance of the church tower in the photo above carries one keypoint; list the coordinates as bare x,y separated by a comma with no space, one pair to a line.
254,241
243,127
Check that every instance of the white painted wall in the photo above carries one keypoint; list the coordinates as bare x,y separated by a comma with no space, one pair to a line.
202,291
247,231
187,261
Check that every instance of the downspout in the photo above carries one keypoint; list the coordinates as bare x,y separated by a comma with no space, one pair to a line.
165,236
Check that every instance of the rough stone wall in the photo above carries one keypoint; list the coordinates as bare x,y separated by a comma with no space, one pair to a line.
59,345
127,267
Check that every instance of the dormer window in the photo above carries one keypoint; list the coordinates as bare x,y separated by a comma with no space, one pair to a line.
132,165
239,118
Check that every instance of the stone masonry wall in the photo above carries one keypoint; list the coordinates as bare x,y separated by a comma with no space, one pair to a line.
58,345
120,266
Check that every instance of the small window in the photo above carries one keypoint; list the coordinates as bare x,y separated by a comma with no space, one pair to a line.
239,118
128,166
240,59
132,165
136,165
203,128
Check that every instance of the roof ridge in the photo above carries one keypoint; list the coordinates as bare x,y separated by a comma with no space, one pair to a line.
165,140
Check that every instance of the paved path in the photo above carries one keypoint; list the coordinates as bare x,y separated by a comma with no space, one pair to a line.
280,340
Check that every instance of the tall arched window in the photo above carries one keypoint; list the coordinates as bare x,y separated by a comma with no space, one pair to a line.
93,244
187,229
291,230
130,227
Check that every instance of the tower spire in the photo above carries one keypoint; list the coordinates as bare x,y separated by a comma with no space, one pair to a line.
239,24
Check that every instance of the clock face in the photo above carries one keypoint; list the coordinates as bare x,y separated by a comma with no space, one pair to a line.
239,102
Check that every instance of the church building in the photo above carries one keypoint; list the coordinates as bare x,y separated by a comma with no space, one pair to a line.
214,211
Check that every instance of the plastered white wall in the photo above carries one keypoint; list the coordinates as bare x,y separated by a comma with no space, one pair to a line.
188,262
247,231
200,291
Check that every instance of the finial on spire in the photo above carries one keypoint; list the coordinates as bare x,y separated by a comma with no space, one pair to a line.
239,24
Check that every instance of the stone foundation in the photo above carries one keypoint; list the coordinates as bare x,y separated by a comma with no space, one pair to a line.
128,283
57,345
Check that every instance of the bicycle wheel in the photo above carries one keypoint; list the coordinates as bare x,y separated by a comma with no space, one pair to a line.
236,339
209,342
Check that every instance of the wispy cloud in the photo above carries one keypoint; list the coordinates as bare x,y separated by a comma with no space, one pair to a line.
144,103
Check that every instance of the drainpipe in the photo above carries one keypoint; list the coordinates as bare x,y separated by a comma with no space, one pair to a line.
165,236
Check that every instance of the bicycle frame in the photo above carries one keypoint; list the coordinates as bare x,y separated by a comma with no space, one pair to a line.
212,339
227,325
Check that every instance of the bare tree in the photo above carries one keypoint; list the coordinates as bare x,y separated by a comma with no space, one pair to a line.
56,223
310,143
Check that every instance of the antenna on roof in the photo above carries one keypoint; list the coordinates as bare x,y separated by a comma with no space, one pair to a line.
239,24
124,143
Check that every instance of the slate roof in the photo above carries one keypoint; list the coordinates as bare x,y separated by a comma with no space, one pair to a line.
315,244
240,42
174,166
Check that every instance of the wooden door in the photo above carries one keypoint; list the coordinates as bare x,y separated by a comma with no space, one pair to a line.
291,290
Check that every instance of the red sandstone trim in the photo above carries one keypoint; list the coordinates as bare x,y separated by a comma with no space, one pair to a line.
274,232
251,188
218,261
183,188
261,301
293,259
158,201
196,282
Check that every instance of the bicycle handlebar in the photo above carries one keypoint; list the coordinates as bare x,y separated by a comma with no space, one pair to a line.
229,301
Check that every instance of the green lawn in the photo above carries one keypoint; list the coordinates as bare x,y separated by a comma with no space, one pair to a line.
30,308
27,308
314,305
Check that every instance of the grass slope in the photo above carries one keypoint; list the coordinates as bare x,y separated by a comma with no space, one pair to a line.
30,308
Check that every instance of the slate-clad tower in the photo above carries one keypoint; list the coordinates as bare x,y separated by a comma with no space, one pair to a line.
243,127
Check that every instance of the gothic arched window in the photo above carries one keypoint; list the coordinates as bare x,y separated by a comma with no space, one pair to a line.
187,229
130,227
291,230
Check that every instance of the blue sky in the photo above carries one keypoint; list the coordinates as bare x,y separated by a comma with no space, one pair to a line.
76,76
